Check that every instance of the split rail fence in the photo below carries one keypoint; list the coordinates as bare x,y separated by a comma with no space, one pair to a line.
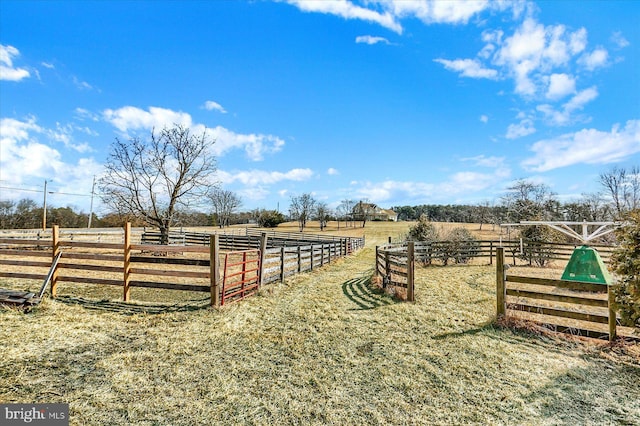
172,267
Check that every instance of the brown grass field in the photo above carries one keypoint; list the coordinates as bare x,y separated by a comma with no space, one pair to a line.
323,348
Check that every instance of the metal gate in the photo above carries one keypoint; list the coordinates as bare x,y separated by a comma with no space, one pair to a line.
241,275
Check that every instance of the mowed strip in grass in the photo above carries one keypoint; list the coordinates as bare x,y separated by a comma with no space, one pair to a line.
324,348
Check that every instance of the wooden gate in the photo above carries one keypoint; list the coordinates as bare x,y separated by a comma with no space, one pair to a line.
241,275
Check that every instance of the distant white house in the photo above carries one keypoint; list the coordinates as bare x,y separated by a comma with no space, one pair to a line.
373,212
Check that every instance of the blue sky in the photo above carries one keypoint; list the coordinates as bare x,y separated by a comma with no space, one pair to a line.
399,103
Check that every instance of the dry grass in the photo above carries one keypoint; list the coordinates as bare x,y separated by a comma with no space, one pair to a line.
324,348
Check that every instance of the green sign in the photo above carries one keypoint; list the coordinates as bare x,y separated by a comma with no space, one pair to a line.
586,265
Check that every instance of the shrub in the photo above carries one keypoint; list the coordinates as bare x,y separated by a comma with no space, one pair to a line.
625,264
270,219
424,232
458,245
536,251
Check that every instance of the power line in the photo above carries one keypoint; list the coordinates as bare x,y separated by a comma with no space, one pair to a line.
48,192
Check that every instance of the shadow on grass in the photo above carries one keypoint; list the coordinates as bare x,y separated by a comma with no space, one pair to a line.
469,332
128,308
362,294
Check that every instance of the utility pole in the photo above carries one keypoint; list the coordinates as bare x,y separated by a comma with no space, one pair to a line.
93,187
44,207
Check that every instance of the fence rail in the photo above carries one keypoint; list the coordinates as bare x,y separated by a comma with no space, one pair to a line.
172,267
251,239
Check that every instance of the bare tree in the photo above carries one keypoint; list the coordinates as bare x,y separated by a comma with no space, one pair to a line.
322,214
484,213
149,178
345,210
364,210
225,204
301,209
526,200
623,186
595,207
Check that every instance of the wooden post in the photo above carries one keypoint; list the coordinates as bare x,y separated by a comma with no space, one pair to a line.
127,262
299,259
311,257
389,240
612,314
282,264
55,242
376,262
263,249
410,272
322,254
387,265
501,290
214,269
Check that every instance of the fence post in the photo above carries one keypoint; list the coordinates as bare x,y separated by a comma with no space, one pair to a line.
263,249
127,262
612,314
282,260
501,306
299,259
214,269
55,242
312,256
410,272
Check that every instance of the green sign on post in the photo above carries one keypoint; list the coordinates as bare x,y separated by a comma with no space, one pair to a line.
586,265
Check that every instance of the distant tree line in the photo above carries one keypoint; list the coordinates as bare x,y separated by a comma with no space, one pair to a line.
526,200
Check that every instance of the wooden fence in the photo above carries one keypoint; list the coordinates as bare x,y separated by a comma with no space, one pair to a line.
393,260
576,307
172,267
396,265
251,239
519,251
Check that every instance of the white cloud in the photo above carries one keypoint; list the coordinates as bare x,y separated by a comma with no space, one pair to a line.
578,41
131,119
347,10
332,172
367,39
260,177
483,161
48,65
596,59
618,39
587,146
484,118
468,68
565,115
560,85
581,99
84,114
441,12
26,160
82,85
7,70
524,128
533,51
214,106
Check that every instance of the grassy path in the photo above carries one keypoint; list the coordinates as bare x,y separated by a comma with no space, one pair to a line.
323,348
